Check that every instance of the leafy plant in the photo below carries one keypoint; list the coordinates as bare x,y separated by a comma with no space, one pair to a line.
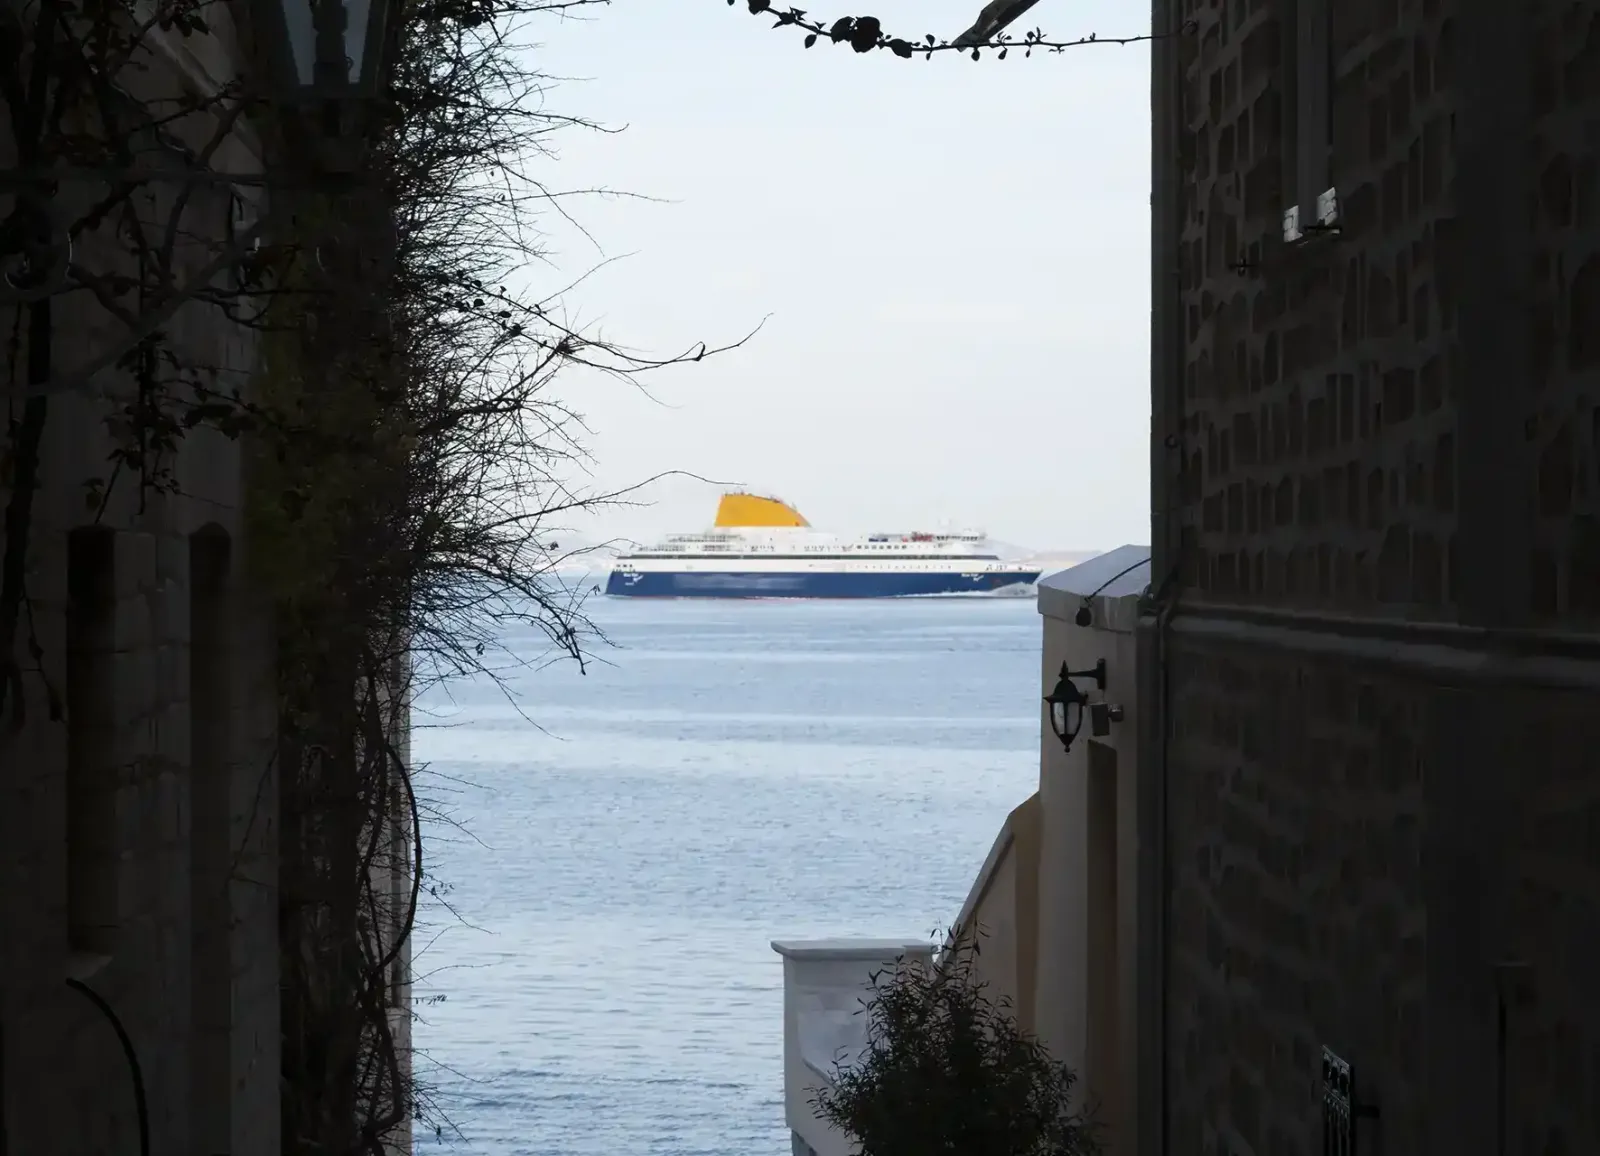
947,1070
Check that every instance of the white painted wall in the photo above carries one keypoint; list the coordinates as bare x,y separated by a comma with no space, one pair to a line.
1088,841
824,984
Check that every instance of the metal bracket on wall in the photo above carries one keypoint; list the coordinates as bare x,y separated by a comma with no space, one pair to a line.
1328,210
1340,1107
1291,225
1326,222
1101,716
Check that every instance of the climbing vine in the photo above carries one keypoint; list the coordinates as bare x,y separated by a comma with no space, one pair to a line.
103,229
866,34
409,456
413,464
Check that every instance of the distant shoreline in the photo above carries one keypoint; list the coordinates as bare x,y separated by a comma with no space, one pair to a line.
1053,561
596,563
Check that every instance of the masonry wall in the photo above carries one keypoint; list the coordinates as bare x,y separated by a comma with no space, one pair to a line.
142,762
209,1065
1375,466
1088,851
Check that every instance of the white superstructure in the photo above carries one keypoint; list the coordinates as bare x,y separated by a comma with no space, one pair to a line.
763,547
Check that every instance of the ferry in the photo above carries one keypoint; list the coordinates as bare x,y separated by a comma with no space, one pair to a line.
760,547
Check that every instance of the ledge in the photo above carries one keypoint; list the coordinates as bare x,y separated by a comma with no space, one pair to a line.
1111,584
1470,654
818,950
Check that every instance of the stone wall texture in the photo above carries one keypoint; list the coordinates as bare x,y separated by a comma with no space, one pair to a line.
1298,917
1336,480
1320,437
1563,426
67,1081
191,967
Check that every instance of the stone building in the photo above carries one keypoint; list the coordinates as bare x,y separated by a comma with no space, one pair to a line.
137,801
1335,876
139,898
1369,799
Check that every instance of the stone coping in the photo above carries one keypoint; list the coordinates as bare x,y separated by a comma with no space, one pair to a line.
851,949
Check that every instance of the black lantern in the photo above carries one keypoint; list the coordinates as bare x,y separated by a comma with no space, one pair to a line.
1066,701
327,54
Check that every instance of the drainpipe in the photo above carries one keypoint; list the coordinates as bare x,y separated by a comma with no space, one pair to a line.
1167,461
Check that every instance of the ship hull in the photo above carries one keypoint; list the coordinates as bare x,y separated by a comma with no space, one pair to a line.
813,584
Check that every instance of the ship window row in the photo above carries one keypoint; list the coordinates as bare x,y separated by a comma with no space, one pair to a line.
826,557
810,550
881,543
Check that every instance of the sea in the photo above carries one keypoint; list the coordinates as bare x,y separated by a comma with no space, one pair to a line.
612,849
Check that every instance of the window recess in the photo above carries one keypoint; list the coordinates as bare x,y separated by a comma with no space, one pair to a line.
1313,200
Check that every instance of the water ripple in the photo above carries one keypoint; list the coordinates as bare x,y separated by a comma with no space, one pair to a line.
619,849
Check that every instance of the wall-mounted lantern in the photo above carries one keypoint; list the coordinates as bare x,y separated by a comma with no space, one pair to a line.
1067,702
327,56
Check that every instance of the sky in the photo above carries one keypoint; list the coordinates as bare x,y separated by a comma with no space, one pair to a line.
948,261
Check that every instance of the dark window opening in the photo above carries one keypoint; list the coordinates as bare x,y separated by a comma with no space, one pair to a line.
93,849
210,840
1308,115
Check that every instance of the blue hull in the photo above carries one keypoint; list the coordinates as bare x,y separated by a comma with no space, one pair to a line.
734,584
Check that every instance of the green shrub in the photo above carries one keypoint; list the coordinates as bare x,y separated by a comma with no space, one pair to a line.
946,1071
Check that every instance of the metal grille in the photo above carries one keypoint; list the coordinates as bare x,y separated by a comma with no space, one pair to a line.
1338,1107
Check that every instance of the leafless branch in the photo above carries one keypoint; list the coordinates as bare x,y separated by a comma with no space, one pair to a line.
865,34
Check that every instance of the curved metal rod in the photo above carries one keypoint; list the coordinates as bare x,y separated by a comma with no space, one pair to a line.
139,1102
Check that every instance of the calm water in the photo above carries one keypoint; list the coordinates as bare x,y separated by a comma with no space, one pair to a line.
735,773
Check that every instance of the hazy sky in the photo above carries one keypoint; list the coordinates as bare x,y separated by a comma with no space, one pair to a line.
952,258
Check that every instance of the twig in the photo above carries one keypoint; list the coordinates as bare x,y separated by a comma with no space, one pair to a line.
866,34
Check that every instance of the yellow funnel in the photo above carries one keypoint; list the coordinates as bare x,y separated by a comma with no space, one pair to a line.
749,510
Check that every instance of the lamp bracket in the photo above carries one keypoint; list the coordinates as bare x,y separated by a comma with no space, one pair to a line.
1096,672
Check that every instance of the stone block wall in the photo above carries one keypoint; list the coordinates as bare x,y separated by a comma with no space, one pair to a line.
1552,1017
64,1063
200,1010
1563,426
1382,806
1319,445
1297,912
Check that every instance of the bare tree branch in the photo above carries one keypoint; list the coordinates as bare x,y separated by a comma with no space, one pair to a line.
865,34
